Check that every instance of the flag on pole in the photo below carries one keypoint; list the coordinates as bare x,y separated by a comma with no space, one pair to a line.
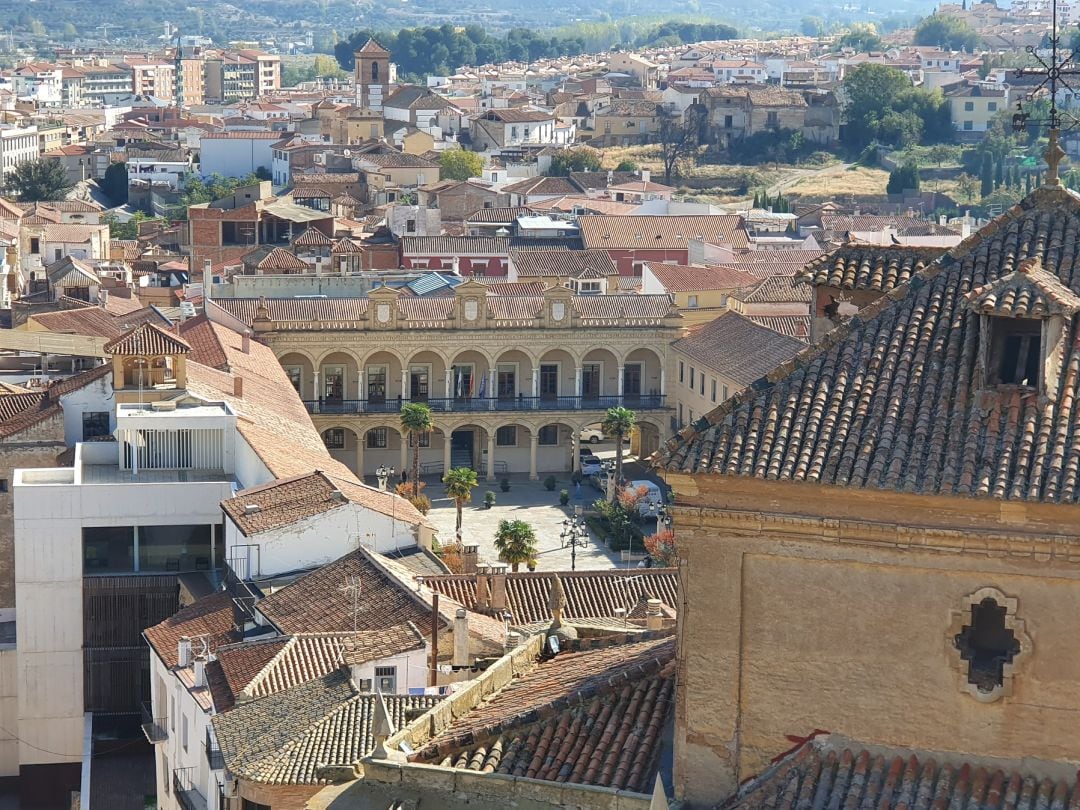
483,385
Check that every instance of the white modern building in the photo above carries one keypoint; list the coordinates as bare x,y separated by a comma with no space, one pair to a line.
17,145
238,153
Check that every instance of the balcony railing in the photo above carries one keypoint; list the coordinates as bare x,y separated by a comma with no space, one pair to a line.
214,758
155,728
187,794
638,402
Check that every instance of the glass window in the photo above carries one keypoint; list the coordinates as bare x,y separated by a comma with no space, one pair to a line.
691,301
334,438
294,374
548,435
725,392
682,371
108,549
94,424
376,438
701,388
713,391
506,436
692,372
991,106
424,440
386,679
969,106
174,548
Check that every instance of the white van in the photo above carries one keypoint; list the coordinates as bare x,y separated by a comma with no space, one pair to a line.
653,494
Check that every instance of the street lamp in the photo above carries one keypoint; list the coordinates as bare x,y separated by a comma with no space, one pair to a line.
383,474
659,512
574,534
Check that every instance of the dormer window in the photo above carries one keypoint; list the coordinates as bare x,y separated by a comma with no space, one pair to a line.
1023,325
1015,351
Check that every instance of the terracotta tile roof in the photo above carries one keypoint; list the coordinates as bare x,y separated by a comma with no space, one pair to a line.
528,289
206,348
758,95
589,594
396,160
765,263
548,186
905,226
1027,292
90,321
121,305
19,411
71,272
689,278
235,667
285,738
563,263
512,115
795,326
893,399
73,234
455,246
426,309
737,348
856,267
661,232
297,309
67,302
313,237
345,246
287,501
595,717
145,340
498,216
776,290
209,618
829,771
315,603
282,259
622,307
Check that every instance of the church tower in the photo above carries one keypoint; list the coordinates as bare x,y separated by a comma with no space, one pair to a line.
372,75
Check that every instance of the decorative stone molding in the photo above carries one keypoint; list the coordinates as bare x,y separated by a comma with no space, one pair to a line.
962,621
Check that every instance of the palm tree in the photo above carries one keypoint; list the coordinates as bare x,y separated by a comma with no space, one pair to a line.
416,421
516,542
460,482
618,424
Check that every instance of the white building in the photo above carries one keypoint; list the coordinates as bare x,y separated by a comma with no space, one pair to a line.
237,154
17,145
158,170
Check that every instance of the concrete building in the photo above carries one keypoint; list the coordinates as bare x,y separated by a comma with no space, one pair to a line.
17,145
237,154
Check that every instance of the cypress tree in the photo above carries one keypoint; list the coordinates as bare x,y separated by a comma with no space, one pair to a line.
999,173
1027,182
987,175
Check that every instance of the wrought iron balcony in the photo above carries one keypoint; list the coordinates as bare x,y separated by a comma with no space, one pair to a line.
214,758
155,728
187,794
638,402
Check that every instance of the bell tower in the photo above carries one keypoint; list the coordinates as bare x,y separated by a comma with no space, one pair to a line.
371,76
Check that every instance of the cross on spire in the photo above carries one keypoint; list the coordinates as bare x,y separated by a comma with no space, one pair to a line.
1054,72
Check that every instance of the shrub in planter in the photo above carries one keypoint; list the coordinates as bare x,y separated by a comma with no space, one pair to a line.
489,499
564,497
504,485
549,483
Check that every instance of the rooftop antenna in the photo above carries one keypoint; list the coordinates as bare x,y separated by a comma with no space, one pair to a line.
1053,73
352,588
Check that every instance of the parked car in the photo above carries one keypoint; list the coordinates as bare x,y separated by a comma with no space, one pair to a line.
653,493
591,465
591,435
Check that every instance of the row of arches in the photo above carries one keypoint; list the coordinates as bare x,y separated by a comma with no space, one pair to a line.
384,378
494,449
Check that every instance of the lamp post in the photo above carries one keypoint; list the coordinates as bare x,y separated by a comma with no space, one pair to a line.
659,512
383,474
574,534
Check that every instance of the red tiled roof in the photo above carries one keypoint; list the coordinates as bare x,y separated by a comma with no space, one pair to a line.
281,259
286,501
589,594
689,278
1027,292
19,411
857,267
829,771
297,309
563,263
145,340
736,347
795,326
887,400
209,618
776,290
595,718
206,349
661,232
313,237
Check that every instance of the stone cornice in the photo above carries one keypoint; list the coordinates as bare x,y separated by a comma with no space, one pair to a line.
741,523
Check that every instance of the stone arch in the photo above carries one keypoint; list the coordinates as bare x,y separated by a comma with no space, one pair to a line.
338,375
299,368
600,375
380,384
343,444
565,364
643,374
427,370
514,374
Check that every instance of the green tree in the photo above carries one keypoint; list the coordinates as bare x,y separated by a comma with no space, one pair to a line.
967,187
115,182
41,179
516,543
999,173
627,166
459,164
416,421
871,90
862,37
903,178
618,423
986,176
950,33
460,482
577,159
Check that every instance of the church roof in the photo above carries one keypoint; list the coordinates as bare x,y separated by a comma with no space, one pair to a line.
146,340
892,399
1027,292
372,48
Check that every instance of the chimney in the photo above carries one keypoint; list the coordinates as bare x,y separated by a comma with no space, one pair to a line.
483,590
238,387
469,556
183,652
498,588
200,673
461,638
245,343
646,175
654,619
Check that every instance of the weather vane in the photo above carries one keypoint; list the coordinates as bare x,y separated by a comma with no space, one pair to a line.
1053,73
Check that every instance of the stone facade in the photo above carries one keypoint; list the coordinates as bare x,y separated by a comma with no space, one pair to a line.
840,611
